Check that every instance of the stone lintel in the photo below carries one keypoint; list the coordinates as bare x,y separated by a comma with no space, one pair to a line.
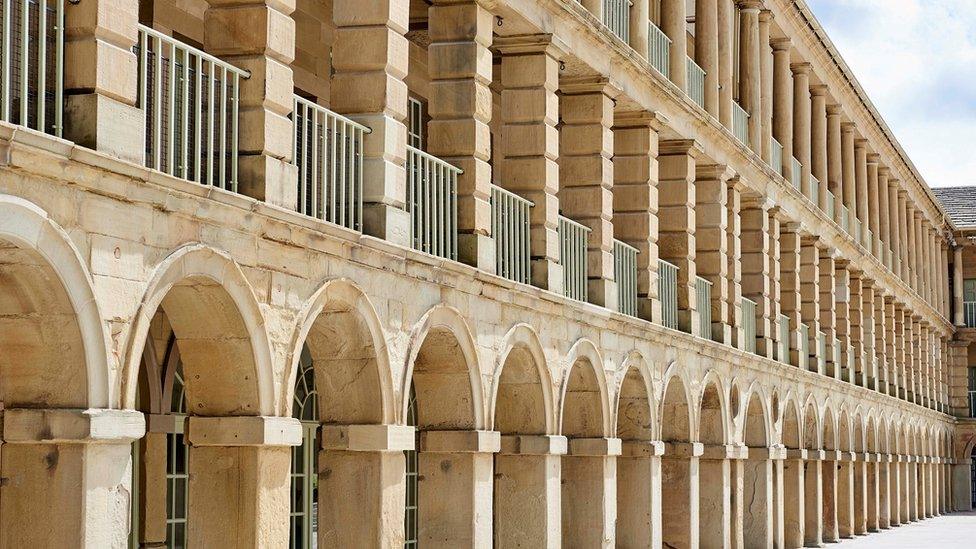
534,445
165,423
775,452
523,44
690,147
639,119
368,438
796,453
683,449
460,442
72,426
595,447
723,451
588,84
642,448
714,172
244,431
846,456
816,455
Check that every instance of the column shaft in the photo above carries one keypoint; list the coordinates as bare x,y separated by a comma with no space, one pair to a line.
711,242
676,215
783,102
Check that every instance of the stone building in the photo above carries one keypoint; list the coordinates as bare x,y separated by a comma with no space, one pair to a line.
449,273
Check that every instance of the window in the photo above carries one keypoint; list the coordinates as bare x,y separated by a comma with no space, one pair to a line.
410,510
969,301
177,460
416,123
972,392
304,459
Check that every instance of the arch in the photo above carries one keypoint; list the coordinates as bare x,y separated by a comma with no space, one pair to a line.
675,413
845,439
756,426
55,339
347,346
713,413
523,385
636,415
585,402
828,438
812,425
790,433
443,369
220,328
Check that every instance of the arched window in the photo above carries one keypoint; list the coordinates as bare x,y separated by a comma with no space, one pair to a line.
410,511
177,461
304,458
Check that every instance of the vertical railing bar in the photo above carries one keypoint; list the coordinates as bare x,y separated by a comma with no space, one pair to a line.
158,106
185,114
171,122
197,121
235,134
41,63
312,184
59,71
7,59
25,63
211,123
223,128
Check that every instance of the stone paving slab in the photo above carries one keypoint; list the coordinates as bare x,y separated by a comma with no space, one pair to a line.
955,531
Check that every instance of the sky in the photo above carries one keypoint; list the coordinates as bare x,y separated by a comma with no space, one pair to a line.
917,61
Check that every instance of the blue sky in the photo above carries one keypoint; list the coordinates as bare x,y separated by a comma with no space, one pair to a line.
917,61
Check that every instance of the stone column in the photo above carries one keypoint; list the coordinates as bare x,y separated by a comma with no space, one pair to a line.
828,306
679,492
635,200
810,294
757,523
639,17
750,86
884,216
790,296
794,509
459,66
586,176
530,144
845,494
239,480
766,84
849,176
885,483
958,308
835,153
364,464
589,492
819,156
715,496
861,181
902,356
707,50
675,26
958,382
801,122
528,508
726,16
259,36
861,465
734,247
711,241
908,241
101,110
839,361
829,470
872,493
676,215
813,496
456,472
783,102
639,494
858,308
914,256
368,85
895,210
874,204
73,470
756,268
880,340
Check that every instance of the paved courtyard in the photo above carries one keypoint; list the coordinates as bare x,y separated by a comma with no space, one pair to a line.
956,531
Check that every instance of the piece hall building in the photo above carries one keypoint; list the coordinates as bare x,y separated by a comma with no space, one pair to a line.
467,274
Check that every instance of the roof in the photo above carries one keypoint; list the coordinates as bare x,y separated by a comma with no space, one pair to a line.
959,204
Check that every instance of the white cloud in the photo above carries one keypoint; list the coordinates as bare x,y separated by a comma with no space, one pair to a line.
917,61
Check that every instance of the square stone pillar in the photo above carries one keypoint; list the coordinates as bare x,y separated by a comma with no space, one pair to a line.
149,470
829,468
639,494
370,61
675,26
586,176
901,354
364,464
527,508
868,372
715,493
680,493
101,78
676,215
711,242
776,217
885,483
855,363
794,498
71,469
456,482
756,269
958,382
810,294
733,235
259,36
239,480
790,297
843,309
635,200
589,492
459,65
881,347
813,496
757,512
530,144
900,491
845,494
866,511
829,306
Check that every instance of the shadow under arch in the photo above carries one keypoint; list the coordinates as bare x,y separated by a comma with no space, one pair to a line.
522,400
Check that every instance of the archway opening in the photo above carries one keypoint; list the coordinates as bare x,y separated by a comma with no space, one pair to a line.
829,488
757,512
677,489
637,466
715,502
793,476
812,476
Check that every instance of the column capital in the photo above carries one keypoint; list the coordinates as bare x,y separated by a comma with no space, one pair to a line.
834,109
683,449
860,143
589,84
883,171
642,448
847,127
534,445
522,44
818,90
460,442
781,44
681,146
749,5
874,158
639,119
368,438
765,16
234,431
72,426
720,172
595,447
801,68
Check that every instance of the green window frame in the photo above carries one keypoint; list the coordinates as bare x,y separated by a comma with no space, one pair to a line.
412,502
303,517
177,467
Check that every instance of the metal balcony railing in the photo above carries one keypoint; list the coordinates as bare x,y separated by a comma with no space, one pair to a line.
814,190
625,273
855,231
868,239
740,124
972,404
821,352
32,54
776,156
831,204
616,16
804,346
573,238
696,83
703,294
667,292
969,313
797,174
783,325
432,203
888,258
328,150
510,229
844,218
190,100
749,324
659,50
